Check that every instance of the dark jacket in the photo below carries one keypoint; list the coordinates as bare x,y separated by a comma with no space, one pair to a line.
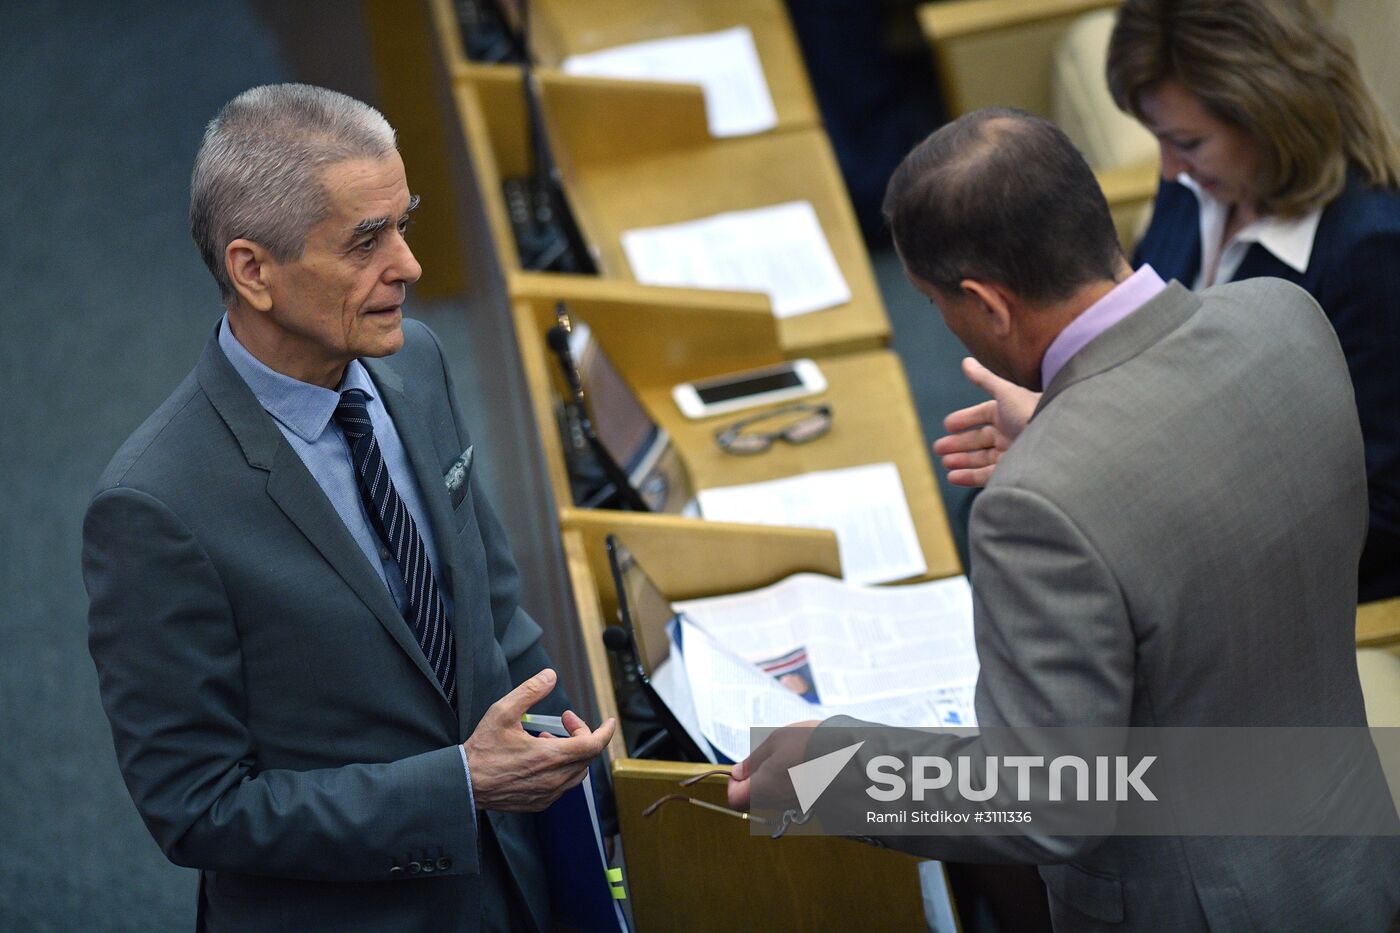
274,717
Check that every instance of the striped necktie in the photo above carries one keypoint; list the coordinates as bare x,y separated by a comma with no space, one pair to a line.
426,614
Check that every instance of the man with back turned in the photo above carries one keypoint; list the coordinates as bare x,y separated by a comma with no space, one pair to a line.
1171,541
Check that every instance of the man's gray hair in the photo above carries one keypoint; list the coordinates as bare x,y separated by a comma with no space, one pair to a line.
256,176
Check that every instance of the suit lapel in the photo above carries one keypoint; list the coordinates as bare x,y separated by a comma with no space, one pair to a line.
1137,332
296,492
416,437
299,496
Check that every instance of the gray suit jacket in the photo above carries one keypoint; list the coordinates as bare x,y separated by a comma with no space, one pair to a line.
275,721
1172,541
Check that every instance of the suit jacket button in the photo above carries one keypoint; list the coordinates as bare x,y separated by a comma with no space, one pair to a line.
414,868
444,863
428,866
396,871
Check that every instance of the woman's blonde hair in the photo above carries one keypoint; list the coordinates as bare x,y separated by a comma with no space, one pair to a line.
1275,69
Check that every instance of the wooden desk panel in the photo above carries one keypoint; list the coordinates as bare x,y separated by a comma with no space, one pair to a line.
1378,623
976,39
612,195
690,869
567,27
635,154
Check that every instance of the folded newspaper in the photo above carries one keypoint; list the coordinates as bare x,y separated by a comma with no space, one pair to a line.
811,647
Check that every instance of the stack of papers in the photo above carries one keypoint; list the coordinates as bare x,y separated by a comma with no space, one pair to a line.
779,250
902,656
725,64
864,505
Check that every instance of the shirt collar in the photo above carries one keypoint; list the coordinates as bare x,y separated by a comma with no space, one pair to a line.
1290,241
304,408
1125,298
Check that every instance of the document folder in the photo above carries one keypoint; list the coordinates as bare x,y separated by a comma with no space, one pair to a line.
582,892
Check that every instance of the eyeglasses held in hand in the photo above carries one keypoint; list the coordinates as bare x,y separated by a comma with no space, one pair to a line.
789,818
807,423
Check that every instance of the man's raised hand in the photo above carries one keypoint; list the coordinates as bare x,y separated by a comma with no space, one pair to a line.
979,435
512,770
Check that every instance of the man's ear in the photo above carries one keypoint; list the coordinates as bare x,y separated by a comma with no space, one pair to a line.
995,301
249,266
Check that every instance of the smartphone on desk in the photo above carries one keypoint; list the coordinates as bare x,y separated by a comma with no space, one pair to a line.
721,395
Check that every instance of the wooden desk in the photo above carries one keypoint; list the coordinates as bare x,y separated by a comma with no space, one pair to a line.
561,28
672,336
659,166
567,27
654,346
411,51
873,422
637,154
1378,623
691,869
975,40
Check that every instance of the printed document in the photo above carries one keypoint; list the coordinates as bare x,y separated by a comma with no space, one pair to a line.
725,64
731,695
671,684
779,250
864,505
902,656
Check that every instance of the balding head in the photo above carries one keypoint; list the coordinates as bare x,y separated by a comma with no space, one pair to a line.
1002,196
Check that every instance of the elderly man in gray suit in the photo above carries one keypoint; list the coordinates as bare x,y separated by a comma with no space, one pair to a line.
304,614
1171,541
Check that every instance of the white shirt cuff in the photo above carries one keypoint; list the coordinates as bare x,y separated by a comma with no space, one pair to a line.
466,769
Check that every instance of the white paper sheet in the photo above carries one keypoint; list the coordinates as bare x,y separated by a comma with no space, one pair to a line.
732,696
779,250
900,656
670,682
864,505
725,64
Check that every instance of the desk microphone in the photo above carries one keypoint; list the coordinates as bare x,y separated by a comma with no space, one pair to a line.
634,705
615,638
558,339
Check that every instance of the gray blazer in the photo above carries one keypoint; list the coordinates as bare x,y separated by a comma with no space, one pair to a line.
275,721
1172,541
